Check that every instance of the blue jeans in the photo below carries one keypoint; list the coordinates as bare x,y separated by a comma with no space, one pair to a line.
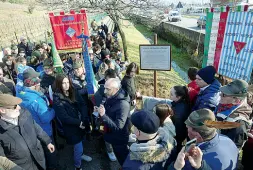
78,152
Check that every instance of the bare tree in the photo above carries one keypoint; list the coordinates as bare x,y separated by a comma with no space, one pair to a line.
116,9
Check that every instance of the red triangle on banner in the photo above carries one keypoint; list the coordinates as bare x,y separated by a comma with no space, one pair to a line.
239,46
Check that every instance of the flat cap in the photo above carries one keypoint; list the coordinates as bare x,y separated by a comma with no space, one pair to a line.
146,121
8,101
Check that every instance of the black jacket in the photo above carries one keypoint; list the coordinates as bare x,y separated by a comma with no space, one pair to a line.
100,95
46,81
104,28
128,85
22,144
115,119
181,112
70,115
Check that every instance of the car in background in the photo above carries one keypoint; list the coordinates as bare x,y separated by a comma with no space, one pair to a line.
174,16
201,22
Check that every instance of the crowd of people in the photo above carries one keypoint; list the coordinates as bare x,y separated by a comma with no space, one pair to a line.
39,105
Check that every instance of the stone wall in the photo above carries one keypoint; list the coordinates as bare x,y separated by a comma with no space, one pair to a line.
184,38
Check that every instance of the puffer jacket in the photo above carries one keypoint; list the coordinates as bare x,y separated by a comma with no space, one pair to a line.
151,155
38,105
209,98
115,119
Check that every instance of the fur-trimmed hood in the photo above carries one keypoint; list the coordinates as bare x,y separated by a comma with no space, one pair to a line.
155,150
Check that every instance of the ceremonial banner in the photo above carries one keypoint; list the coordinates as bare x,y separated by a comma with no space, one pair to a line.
66,28
228,42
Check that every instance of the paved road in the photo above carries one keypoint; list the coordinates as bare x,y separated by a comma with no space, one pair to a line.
100,159
190,23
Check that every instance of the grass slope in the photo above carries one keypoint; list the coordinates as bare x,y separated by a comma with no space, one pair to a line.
166,79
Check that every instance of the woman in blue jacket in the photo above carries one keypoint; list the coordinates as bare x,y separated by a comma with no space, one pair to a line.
72,113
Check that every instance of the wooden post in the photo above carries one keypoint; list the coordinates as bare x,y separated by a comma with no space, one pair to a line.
155,76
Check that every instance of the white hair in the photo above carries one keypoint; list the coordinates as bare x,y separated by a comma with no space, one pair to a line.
114,82
22,38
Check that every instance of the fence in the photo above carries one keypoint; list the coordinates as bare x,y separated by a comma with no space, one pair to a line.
34,28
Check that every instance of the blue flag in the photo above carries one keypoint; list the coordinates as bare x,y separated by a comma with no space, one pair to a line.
90,77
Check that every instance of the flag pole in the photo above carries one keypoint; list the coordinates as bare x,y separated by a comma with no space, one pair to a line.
90,77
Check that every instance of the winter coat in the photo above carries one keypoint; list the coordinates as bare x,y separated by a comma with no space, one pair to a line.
7,86
37,104
128,85
240,114
6,164
25,47
40,68
46,81
151,155
181,111
80,85
104,28
100,95
169,127
219,153
70,114
115,118
68,68
193,89
209,98
22,144
102,34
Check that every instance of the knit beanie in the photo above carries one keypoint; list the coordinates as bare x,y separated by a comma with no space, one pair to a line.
207,74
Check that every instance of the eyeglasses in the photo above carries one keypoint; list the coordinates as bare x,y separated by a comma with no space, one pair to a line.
223,95
12,107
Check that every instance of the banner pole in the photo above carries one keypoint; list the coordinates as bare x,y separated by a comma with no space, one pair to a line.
155,75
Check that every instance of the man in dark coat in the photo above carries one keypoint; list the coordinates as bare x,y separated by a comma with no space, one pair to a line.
20,136
114,115
23,45
79,79
99,98
104,28
101,33
48,76
209,95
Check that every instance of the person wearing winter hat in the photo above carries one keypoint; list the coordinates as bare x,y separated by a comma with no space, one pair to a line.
38,105
154,146
48,77
217,151
233,107
79,78
209,95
